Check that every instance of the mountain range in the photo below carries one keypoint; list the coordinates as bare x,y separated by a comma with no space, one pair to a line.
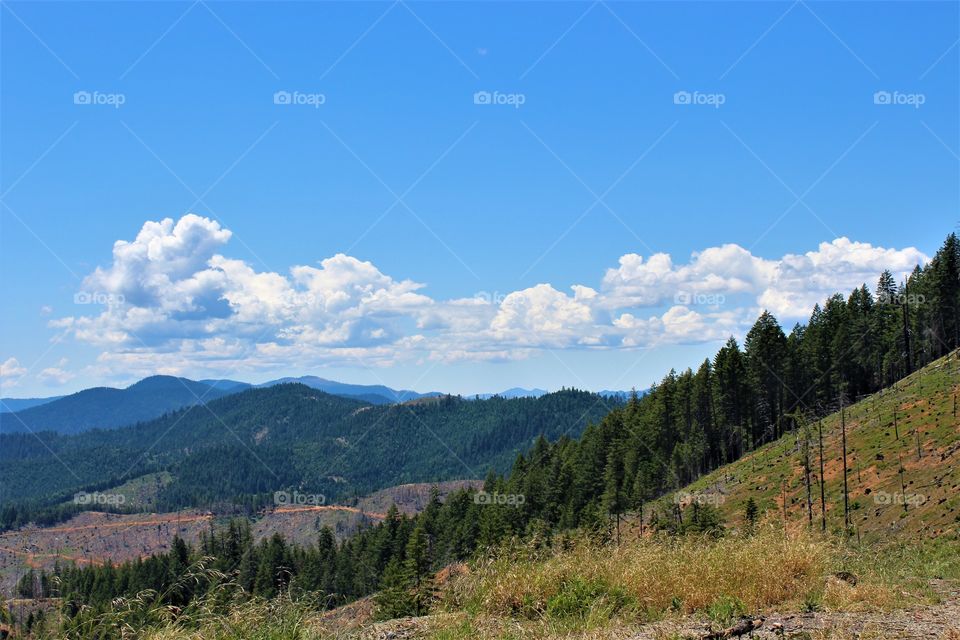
152,397
239,449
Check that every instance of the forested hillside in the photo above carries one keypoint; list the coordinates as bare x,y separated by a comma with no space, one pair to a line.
240,449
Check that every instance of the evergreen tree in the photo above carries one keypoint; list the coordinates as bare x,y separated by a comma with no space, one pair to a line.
751,513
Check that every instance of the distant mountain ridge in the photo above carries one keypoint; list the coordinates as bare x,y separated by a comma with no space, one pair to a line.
10,405
514,392
372,393
152,397
109,408
226,385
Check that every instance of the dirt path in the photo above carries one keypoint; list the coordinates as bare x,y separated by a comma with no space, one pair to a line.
31,557
331,507
127,524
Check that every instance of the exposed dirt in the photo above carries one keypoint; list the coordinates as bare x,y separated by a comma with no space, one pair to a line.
933,622
911,426
94,537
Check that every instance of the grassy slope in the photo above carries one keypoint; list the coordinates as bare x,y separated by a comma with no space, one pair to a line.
924,403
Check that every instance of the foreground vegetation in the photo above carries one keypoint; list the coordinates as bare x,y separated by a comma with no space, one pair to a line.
588,587
570,586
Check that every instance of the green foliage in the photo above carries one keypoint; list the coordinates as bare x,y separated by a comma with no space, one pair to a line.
580,598
244,447
395,598
812,602
751,513
727,609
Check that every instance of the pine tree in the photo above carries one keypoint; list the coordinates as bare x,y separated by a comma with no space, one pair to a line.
395,599
614,495
418,566
751,513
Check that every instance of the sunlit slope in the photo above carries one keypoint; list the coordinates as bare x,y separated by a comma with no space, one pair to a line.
926,439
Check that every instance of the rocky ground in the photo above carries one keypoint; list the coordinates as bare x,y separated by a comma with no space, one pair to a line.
939,621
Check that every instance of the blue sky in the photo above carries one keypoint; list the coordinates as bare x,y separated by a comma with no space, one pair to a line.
497,210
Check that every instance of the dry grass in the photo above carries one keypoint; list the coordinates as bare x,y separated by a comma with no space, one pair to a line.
868,596
584,591
650,578
277,619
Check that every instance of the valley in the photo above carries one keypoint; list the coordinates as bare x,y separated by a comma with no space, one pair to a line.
93,537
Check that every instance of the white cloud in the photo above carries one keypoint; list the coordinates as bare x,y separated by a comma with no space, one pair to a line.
788,287
726,269
11,372
170,301
800,281
56,376
541,316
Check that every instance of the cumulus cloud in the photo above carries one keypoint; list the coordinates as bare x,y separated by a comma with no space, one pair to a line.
787,287
11,372
171,301
800,281
542,316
